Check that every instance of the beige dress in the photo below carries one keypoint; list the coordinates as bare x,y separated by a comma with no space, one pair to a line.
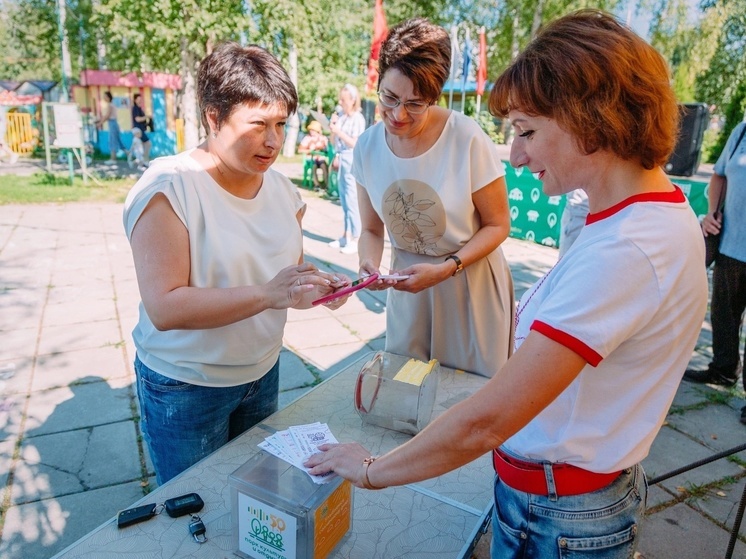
466,321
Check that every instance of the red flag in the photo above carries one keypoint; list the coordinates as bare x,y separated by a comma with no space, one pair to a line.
380,29
482,70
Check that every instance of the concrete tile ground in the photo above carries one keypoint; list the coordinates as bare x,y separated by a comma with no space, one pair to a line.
71,454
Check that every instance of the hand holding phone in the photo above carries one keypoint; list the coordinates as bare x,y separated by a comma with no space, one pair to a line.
356,285
397,277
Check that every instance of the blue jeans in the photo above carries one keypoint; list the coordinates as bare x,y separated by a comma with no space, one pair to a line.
348,195
603,524
182,423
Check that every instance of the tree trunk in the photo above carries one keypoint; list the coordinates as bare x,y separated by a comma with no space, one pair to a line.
189,96
293,122
538,14
67,68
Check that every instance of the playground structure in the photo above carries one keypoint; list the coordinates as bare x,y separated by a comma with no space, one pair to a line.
158,91
21,102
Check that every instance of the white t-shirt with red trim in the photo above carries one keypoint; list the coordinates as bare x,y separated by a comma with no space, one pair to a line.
629,296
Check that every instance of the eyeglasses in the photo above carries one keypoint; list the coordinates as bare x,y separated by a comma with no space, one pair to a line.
412,107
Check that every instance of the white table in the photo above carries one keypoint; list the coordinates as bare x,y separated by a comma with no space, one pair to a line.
438,518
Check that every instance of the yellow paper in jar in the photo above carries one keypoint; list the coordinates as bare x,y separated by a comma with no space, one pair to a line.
414,371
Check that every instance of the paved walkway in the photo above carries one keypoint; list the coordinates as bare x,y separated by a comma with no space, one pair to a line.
71,454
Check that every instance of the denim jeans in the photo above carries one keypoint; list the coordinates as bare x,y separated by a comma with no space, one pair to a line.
182,423
348,195
602,524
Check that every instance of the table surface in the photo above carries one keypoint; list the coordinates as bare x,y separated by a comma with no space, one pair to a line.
437,518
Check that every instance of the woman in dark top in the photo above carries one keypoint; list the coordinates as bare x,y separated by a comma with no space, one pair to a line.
140,120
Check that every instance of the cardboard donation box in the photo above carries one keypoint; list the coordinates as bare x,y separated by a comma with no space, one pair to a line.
397,392
278,512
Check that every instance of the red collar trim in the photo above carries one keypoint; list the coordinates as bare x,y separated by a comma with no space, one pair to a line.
676,196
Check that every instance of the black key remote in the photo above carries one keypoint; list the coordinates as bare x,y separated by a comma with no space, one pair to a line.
134,515
186,504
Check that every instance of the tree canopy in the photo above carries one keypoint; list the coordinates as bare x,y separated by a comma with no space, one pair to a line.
704,47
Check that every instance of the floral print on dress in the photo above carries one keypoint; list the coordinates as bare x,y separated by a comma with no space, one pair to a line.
415,217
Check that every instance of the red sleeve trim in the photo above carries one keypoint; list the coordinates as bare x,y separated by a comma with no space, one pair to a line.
570,342
675,196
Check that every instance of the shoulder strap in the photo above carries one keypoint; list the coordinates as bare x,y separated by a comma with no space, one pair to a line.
740,137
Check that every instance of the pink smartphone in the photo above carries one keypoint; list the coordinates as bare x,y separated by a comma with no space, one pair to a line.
394,277
356,285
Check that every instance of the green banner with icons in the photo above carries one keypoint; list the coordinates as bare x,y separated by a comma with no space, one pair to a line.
696,192
533,215
536,217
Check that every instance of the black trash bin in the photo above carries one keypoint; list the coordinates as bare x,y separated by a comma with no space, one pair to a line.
684,160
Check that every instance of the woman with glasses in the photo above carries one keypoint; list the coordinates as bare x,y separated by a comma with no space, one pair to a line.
346,126
431,178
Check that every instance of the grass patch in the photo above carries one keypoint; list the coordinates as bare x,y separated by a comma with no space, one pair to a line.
44,188
55,188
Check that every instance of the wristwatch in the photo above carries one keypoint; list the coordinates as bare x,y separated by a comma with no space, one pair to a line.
459,264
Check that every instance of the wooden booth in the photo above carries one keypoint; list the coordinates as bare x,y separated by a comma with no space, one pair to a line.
158,91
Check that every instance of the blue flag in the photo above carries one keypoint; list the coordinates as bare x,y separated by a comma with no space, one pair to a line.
467,66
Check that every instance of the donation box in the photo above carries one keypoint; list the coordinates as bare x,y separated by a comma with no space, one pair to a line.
278,512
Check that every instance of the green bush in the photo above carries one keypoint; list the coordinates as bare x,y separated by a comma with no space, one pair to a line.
490,127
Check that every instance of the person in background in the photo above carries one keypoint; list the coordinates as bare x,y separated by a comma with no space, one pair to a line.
573,218
431,180
346,125
136,155
218,248
5,150
316,141
109,115
729,274
577,406
140,120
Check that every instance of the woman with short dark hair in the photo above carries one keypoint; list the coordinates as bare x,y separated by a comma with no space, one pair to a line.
218,248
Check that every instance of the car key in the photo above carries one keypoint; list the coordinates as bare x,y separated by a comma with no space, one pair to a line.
186,504
134,515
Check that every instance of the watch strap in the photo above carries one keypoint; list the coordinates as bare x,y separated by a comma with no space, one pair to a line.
459,264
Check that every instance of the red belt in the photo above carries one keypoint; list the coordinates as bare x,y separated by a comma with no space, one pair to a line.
529,477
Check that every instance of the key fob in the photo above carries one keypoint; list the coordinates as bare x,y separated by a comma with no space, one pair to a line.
134,515
186,504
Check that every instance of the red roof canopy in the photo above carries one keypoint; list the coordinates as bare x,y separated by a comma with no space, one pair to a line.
11,98
117,79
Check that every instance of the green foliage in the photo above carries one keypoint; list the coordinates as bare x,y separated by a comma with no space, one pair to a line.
28,48
151,35
518,20
30,39
733,115
490,127
709,150
722,82
332,38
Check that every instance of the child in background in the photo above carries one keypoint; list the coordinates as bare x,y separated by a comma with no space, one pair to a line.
136,155
316,141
